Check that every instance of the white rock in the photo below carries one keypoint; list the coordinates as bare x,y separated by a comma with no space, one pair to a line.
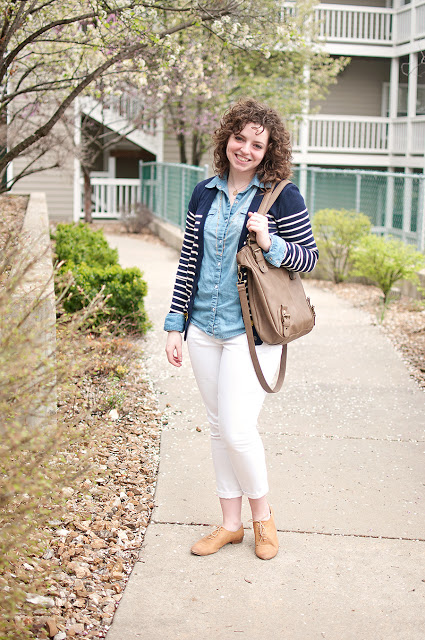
113,414
40,600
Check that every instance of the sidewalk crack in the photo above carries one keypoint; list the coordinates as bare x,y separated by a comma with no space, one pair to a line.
301,532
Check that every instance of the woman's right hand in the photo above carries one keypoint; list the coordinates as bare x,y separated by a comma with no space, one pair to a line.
173,348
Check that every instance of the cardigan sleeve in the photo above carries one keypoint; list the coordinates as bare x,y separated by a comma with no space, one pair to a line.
175,319
298,251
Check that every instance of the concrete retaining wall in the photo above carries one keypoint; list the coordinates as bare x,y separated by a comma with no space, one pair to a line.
38,289
170,234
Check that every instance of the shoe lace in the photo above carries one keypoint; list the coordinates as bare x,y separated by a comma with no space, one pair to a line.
262,531
214,533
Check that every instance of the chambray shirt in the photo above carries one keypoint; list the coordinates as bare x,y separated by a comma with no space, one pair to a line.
216,309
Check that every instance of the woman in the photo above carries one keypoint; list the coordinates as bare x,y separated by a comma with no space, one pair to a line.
252,150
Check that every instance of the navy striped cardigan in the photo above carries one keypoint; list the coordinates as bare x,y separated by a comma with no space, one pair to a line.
288,217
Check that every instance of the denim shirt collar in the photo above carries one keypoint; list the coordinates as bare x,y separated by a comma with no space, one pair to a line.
221,183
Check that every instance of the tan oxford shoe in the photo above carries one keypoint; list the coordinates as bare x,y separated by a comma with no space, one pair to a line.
215,540
266,542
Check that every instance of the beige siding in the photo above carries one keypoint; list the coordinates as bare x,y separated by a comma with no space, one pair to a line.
171,149
56,184
358,90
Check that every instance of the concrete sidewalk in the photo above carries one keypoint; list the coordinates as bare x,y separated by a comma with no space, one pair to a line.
345,446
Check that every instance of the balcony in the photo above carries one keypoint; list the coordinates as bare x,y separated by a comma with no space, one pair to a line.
343,27
124,116
351,24
352,136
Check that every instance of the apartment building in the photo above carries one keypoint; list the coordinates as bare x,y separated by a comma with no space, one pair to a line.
373,117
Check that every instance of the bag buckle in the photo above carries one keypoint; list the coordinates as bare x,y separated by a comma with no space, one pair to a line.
313,311
286,318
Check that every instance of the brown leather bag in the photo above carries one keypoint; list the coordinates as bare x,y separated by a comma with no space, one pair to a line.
280,310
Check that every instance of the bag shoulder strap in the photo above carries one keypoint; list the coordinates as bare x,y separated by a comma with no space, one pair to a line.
250,336
271,196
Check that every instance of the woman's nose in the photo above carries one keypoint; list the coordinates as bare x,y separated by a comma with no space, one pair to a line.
245,148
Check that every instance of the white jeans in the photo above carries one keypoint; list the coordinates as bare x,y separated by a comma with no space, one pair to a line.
233,398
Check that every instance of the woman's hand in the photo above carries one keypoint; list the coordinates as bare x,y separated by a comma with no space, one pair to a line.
173,348
259,224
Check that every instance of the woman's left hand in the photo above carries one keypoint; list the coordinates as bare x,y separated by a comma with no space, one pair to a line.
259,224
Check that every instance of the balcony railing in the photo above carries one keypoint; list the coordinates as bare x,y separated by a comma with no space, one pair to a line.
131,108
359,135
354,24
350,24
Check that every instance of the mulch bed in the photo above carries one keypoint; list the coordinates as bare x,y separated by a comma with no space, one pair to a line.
93,544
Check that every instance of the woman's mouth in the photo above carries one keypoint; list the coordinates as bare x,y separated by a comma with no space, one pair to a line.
241,158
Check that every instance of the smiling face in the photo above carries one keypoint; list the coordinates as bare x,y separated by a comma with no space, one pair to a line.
245,151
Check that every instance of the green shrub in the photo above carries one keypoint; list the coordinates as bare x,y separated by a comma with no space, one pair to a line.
124,290
337,233
77,243
94,267
385,261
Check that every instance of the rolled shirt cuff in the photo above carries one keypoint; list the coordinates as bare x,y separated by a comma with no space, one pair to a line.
276,254
174,322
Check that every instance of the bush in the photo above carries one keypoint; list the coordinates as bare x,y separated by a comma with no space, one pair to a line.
94,268
124,290
337,233
385,261
77,243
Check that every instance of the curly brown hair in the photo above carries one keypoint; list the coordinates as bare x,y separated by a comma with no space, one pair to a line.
276,164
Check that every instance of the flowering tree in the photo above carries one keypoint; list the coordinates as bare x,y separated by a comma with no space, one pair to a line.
268,63
193,58
52,51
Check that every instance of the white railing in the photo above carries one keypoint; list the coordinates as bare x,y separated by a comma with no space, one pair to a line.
399,135
418,135
346,23
343,134
362,135
357,134
404,24
111,195
351,24
420,21
131,108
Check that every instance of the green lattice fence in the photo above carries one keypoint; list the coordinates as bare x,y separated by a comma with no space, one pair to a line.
395,202
166,188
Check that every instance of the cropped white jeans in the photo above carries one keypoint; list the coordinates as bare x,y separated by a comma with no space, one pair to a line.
233,398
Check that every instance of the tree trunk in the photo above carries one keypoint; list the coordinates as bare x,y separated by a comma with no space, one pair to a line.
196,149
3,145
87,196
181,140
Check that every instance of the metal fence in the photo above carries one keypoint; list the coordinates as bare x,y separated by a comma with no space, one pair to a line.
395,202
166,188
